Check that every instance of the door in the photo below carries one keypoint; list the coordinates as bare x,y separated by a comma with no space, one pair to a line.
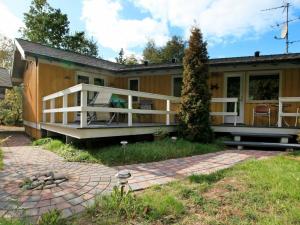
234,89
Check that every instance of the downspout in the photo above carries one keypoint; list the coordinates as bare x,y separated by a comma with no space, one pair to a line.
36,96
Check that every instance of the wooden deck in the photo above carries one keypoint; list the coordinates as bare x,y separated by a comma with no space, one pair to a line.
99,130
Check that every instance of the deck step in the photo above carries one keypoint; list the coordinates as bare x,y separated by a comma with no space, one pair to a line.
262,144
270,135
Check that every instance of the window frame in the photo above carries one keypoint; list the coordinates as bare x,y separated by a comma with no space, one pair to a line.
134,97
172,84
263,73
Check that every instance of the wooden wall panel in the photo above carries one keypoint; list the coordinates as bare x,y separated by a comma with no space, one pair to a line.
52,79
217,80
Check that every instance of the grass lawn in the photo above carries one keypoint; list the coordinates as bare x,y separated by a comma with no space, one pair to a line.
254,192
140,152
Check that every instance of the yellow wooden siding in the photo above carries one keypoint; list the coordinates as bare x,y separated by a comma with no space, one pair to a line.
216,80
52,79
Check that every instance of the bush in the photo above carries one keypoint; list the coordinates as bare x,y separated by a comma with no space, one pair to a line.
11,107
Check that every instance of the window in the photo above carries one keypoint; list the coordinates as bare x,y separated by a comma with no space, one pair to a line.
134,86
99,81
263,87
177,86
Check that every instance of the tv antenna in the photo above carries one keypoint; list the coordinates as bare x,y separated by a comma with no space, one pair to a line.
285,25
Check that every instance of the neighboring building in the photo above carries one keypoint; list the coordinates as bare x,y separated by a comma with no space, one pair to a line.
5,81
51,77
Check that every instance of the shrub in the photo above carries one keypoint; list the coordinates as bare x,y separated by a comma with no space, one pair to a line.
11,107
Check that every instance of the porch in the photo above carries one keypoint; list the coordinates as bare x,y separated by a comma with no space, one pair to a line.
70,112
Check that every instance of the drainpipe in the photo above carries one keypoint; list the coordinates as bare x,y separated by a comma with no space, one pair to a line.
36,99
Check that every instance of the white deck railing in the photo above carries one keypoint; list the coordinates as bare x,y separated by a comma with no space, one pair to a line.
83,109
282,114
225,113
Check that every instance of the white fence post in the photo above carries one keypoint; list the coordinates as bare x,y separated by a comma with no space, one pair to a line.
44,114
279,113
168,112
129,113
52,106
65,105
83,114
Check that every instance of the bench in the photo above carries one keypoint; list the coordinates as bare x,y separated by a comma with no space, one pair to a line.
262,144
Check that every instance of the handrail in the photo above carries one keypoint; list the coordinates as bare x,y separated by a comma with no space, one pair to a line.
84,108
282,114
223,113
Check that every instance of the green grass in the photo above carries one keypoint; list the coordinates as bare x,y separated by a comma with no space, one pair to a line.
1,159
140,152
265,192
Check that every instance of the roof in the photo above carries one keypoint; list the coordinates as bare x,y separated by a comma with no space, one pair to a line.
40,50
5,78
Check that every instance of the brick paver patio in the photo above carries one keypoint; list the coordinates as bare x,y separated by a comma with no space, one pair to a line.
86,180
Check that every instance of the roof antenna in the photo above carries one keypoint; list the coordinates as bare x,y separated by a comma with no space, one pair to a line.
285,25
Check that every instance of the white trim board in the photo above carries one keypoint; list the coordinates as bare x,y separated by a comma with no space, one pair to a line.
32,124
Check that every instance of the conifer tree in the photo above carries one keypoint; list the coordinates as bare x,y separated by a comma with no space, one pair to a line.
195,101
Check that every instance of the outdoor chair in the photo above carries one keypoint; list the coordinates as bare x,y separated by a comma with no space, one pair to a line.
297,117
101,99
262,110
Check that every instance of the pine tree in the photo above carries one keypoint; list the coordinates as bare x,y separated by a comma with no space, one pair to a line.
120,59
195,101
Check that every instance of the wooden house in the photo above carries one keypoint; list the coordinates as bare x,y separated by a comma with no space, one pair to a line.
59,87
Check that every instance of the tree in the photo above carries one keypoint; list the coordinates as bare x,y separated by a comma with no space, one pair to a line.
131,60
174,49
195,100
49,26
120,59
80,44
6,52
151,53
11,107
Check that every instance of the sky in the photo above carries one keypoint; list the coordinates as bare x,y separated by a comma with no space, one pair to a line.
231,27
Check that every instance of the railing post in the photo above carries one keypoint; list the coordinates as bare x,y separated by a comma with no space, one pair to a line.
279,113
44,114
235,112
168,112
65,105
83,114
129,113
52,106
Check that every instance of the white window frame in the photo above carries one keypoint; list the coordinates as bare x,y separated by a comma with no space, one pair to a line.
261,73
138,79
172,83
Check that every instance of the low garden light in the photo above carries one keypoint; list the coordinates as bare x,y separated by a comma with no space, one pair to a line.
123,177
174,139
124,143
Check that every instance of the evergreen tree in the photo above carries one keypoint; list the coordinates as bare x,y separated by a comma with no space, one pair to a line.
195,100
174,49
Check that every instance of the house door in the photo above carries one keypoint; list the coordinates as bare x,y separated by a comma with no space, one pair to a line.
234,89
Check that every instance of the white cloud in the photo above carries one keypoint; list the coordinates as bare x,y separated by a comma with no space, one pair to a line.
9,23
221,21
218,19
103,21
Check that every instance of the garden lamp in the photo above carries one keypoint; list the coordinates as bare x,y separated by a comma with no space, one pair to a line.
123,177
